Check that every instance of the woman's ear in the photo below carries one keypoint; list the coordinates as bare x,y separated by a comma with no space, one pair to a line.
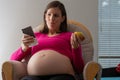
63,18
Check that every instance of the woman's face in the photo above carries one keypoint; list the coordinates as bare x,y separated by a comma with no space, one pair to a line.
54,19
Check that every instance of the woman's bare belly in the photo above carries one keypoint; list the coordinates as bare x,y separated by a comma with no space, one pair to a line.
48,62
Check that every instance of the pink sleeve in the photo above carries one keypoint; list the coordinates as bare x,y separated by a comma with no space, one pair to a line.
78,60
18,55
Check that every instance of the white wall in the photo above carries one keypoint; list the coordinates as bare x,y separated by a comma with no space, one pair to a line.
16,14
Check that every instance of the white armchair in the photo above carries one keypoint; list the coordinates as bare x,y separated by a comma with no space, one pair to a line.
14,70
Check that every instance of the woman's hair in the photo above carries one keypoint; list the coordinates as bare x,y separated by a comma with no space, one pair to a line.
56,4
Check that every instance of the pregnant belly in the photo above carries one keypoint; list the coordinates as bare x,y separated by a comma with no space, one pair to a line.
48,62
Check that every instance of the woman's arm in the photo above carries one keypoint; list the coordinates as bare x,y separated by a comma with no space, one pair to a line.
24,50
78,62
19,54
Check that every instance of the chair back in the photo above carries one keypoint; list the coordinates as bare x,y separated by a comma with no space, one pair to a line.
87,44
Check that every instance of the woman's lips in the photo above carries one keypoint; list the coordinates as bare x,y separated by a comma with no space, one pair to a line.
52,23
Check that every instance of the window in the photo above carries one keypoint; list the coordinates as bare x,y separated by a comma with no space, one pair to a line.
109,33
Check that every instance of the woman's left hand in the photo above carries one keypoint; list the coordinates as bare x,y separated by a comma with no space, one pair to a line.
75,41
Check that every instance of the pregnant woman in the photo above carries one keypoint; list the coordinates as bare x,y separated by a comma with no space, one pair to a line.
58,55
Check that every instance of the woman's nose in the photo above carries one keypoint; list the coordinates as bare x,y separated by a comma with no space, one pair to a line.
52,18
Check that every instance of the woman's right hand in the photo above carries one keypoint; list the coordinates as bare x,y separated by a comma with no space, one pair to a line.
26,41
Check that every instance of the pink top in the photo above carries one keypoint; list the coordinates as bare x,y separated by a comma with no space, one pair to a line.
60,43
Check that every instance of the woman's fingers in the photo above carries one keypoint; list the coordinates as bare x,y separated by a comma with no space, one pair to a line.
78,39
74,41
27,40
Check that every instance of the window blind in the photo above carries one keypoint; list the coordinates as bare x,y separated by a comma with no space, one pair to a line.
109,33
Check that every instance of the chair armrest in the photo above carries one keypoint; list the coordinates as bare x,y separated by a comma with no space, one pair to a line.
92,70
13,70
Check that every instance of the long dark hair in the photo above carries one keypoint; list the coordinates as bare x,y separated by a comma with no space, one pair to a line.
54,4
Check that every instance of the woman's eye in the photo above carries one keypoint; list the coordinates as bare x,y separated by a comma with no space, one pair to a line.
56,15
49,14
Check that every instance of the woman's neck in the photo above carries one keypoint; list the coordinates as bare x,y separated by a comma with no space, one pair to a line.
53,33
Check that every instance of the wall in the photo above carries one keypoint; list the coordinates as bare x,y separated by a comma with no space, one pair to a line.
17,14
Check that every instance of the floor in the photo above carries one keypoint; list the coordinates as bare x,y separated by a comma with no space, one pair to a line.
110,78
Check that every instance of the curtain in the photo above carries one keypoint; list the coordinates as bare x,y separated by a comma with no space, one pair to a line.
109,33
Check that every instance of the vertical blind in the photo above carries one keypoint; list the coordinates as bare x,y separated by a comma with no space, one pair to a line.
109,33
